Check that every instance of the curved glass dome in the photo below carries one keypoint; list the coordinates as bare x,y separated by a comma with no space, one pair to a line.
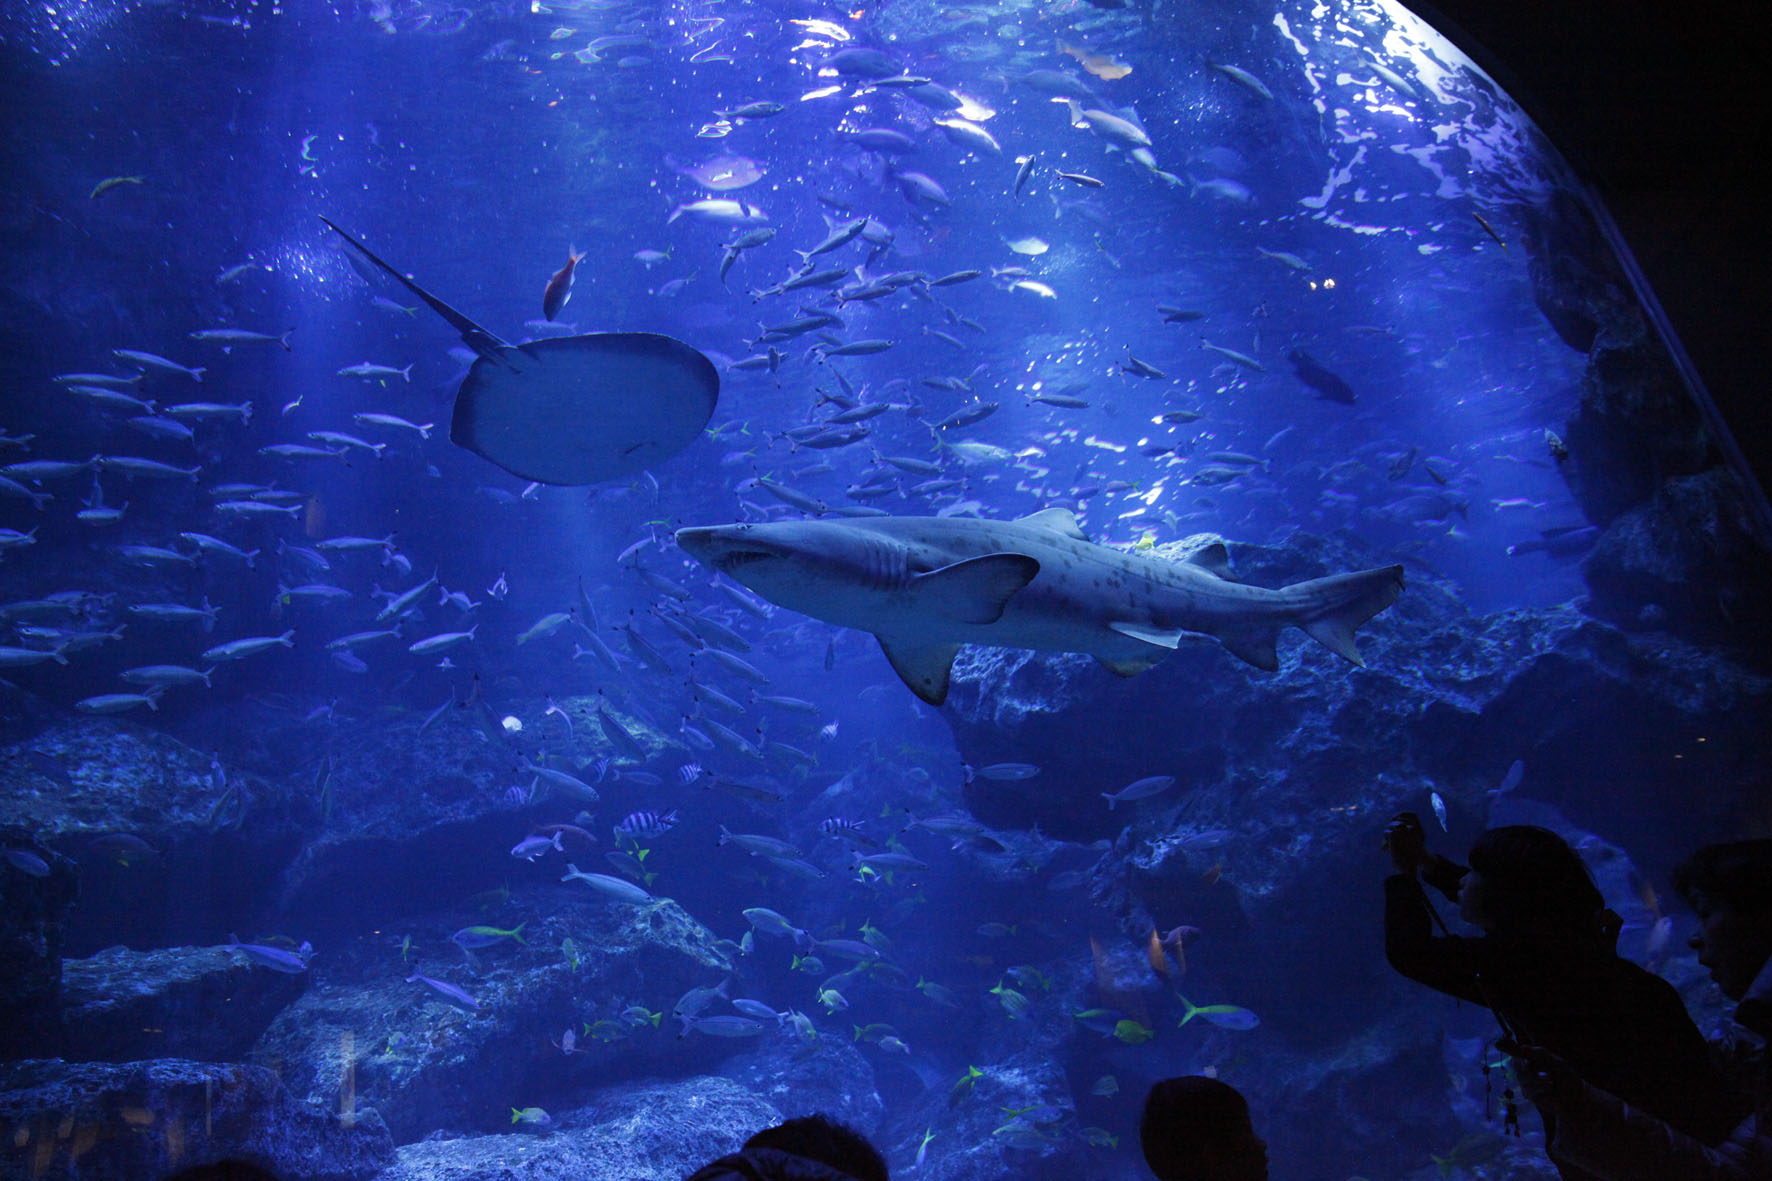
1235,411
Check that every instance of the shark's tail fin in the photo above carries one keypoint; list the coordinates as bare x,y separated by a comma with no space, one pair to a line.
1340,603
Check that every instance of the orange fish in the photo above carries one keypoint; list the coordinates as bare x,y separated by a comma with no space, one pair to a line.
1211,876
1646,895
1102,65
1159,961
559,288
1175,943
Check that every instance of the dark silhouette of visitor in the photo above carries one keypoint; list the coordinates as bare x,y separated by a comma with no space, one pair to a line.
1729,888
1197,1129
1547,967
224,1170
810,1148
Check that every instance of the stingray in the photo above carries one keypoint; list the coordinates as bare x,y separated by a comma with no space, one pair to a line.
574,409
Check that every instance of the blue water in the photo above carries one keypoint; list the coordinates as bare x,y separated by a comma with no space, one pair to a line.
474,147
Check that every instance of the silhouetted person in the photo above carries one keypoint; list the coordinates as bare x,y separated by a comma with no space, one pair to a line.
1729,888
1197,1129
225,1170
1547,969
1546,966
810,1148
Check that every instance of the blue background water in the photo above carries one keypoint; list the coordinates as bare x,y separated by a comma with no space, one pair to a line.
474,145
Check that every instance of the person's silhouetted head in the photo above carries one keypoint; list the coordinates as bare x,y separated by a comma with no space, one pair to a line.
225,1170
823,1139
1197,1129
1729,888
1526,880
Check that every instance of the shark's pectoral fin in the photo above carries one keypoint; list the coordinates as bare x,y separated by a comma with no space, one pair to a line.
923,667
974,591
1161,637
1131,666
1256,648
1161,640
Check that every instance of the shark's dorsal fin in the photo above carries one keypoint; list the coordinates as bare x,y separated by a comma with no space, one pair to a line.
1059,520
1161,637
976,590
923,667
1131,666
1215,559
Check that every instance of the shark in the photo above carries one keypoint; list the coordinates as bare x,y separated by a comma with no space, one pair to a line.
926,585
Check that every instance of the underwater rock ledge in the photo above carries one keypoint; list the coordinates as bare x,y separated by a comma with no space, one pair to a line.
203,1003
425,1065
1681,547
148,1119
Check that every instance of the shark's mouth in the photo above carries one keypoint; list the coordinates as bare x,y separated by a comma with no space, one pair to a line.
732,559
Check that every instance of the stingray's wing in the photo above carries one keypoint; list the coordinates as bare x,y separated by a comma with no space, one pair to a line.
583,409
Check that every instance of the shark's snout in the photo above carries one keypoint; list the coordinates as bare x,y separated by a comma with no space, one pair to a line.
723,547
704,543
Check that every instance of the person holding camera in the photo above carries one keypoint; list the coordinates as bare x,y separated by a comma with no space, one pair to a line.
1546,965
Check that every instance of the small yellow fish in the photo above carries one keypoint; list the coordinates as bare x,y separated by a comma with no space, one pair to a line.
1037,287
110,182
1132,1033
1032,247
